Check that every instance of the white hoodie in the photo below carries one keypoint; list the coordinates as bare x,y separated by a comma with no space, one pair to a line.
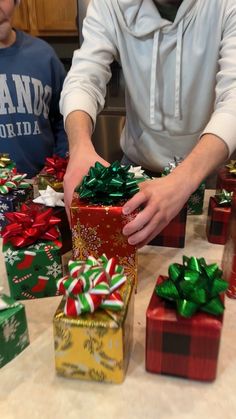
180,77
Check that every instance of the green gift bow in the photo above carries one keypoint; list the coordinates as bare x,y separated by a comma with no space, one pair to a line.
224,198
106,185
194,286
232,167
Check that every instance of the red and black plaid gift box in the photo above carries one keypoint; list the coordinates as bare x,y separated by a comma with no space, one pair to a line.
229,255
184,347
226,180
173,235
217,222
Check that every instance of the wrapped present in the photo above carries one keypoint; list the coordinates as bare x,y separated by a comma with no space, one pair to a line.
93,326
6,164
226,177
14,336
184,321
52,174
31,250
13,191
50,198
229,254
97,219
173,235
196,200
219,211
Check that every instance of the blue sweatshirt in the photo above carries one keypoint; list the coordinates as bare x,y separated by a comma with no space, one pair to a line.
31,126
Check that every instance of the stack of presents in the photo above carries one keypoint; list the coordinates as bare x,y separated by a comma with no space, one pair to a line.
93,325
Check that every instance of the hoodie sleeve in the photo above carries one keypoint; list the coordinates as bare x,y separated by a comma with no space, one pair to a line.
56,119
85,85
223,119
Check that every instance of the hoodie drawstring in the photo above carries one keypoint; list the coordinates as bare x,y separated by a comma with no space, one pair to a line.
154,93
179,45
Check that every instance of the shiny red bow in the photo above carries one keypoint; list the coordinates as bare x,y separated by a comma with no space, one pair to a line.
29,225
56,167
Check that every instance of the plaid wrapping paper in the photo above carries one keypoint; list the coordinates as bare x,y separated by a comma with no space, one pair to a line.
229,255
217,222
225,180
173,235
184,347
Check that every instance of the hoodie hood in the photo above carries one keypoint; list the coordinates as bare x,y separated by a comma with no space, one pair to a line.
141,17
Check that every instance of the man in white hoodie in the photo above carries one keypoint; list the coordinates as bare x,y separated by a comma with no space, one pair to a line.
180,97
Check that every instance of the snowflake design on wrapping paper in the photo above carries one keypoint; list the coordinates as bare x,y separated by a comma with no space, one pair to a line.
119,240
129,266
2,216
36,246
4,207
195,199
10,327
11,256
54,270
86,241
23,340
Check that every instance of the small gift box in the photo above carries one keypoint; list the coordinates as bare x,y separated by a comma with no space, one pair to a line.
50,198
219,211
196,200
31,250
13,191
97,219
52,174
229,255
6,164
226,177
14,336
93,326
179,340
173,235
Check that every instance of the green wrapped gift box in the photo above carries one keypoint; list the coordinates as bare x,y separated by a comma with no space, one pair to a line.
14,336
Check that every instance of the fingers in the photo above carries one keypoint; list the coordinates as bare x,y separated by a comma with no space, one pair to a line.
135,202
149,231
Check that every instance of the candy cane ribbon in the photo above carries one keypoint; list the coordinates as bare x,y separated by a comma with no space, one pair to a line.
9,182
92,284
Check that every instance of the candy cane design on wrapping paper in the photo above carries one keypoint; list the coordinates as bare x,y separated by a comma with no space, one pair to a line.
48,249
18,280
92,284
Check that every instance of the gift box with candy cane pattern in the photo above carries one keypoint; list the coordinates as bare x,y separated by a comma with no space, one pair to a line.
93,326
31,251
179,340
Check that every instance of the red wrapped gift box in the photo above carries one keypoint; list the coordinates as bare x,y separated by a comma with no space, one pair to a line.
173,235
229,255
225,180
217,222
185,347
97,229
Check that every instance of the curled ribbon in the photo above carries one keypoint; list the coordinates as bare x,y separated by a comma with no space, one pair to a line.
232,167
5,161
224,198
29,225
56,167
11,181
194,286
92,284
106,185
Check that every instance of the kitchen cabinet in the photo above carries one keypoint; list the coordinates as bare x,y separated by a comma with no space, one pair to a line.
47,18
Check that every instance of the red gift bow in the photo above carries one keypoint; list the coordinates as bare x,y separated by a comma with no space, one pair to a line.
29,225
56,166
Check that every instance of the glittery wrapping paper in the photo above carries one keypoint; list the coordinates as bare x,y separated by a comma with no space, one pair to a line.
95,346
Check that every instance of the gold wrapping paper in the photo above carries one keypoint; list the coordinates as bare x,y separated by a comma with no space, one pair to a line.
95,346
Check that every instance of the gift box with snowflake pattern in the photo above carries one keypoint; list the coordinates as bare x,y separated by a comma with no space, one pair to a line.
95,346
195,201
12,202
97,229
32,271
14,336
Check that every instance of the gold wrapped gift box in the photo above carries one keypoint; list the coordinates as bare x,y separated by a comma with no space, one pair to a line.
95,346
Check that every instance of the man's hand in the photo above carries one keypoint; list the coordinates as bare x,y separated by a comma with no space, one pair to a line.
161,200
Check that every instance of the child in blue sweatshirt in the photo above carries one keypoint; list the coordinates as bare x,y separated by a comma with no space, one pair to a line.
31,78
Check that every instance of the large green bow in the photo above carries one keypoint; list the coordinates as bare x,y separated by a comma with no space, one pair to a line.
194,286
106,185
